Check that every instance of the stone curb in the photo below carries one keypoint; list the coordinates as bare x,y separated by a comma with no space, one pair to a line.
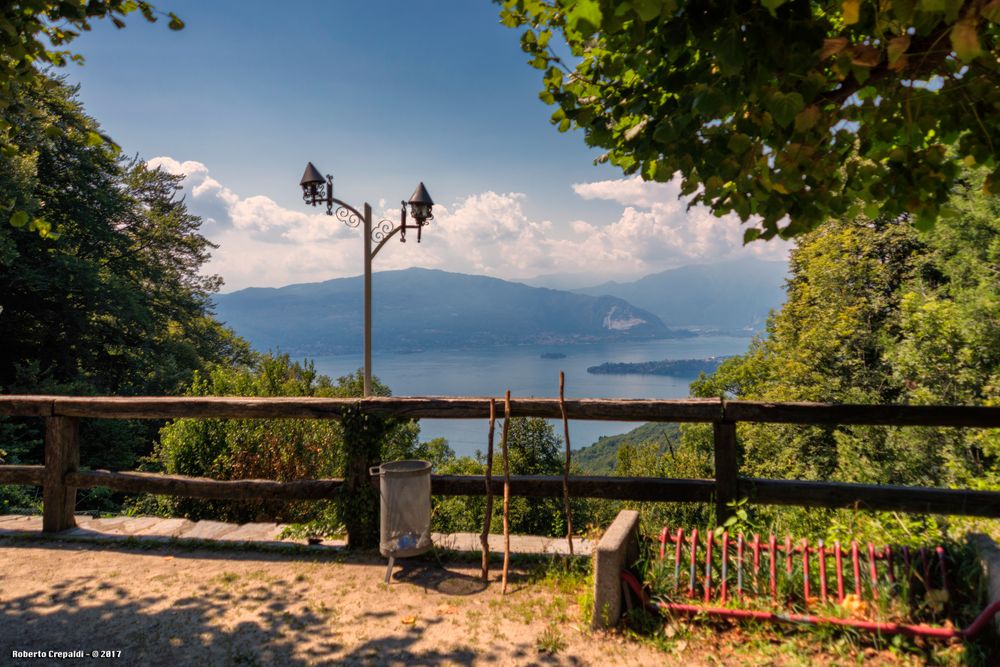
989,560
618,548
156,530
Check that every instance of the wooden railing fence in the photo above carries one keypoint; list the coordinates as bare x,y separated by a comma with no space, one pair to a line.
60,476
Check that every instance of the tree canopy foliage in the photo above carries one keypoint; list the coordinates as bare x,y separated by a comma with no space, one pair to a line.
879,313
115,303
34,36
785,112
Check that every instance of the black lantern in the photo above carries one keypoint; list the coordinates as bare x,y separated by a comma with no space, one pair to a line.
311,181
421,205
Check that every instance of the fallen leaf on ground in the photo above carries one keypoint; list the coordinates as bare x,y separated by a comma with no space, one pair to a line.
854,605
409,620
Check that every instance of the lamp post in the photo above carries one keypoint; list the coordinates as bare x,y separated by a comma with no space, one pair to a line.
318,190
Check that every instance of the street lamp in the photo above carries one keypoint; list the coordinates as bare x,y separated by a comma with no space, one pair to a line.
318,190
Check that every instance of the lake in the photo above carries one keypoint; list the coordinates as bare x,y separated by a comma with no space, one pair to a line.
491,371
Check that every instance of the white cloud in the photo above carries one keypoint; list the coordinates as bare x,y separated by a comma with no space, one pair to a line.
657,228
263,244
631,192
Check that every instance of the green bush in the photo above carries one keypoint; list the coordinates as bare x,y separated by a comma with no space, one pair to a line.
280,449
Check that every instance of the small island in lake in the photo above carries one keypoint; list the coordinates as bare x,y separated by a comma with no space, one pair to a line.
553,355
676,367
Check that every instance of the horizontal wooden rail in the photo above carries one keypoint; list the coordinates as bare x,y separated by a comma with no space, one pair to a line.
917,499
408,407
885,415
611,488
477,407
653,489
532,486
203,487
17,474
27,406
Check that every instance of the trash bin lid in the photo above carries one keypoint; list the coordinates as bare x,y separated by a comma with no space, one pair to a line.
411,467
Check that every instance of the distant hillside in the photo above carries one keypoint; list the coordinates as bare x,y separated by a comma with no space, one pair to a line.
600,458
420,309
734,295
577,280
672,367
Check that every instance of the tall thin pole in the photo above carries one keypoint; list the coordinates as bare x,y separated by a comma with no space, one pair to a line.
368,300
565,420
506,492
484,539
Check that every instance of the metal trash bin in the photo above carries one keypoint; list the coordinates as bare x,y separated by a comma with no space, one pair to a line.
405,516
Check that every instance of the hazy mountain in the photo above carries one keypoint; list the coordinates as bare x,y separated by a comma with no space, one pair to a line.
419,309
730,295
574,281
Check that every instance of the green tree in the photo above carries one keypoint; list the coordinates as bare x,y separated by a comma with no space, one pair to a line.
34,36
533,449
116,303
655,457
865,105
878,312
281,449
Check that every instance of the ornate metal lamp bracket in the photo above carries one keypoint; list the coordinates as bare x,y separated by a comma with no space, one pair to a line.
380,232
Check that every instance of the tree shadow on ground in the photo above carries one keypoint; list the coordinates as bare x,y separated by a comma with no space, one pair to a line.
253,621
151,629
440,578
398,650
437,577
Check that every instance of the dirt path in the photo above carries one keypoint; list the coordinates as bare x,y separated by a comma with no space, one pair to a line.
179,606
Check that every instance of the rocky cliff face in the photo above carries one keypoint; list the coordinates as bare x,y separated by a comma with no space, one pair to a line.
621,319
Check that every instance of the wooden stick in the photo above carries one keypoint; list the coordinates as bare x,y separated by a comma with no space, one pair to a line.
506,492
569,512
484,539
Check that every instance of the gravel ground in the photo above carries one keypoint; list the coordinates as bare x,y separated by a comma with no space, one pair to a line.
175,605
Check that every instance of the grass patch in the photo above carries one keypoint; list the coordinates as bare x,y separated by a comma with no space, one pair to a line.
226,578
550,640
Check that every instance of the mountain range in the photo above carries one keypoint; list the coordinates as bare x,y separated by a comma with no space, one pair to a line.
416,309
730,296
419,309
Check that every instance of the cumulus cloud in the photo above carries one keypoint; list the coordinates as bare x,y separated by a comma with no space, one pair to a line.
263,244
258,215
656,226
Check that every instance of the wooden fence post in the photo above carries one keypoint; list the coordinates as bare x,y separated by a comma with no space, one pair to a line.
62,455
726,469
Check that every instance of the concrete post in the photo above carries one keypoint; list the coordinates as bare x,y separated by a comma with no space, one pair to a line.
618,548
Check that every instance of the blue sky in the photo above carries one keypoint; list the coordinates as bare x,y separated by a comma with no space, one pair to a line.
382,95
